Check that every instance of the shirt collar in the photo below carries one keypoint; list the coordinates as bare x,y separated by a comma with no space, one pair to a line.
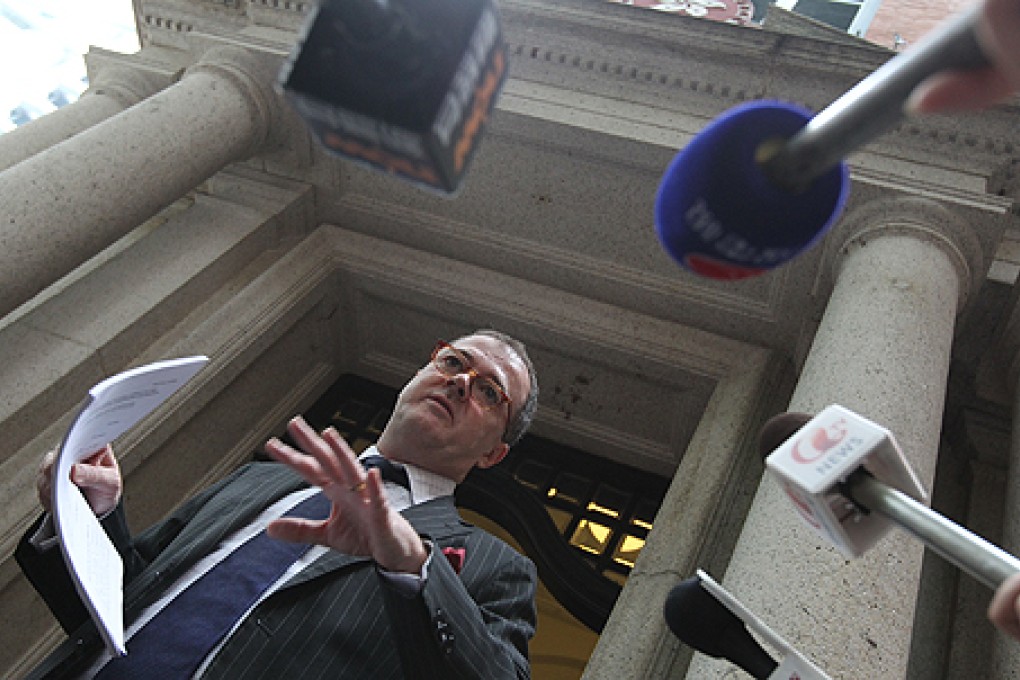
425,485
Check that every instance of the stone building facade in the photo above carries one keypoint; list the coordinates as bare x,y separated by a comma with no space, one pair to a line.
180,207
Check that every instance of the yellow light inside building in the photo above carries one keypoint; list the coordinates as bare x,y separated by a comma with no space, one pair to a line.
626,553
591,536
604,510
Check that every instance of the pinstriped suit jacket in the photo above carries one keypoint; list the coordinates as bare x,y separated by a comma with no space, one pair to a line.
336,619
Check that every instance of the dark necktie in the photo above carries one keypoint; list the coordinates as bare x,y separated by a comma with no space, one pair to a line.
175,641
390,472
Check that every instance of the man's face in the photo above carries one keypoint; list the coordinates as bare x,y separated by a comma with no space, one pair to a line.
436,424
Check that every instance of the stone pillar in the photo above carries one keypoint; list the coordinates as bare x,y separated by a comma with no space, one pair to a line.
636,644
65,204
114,89
882,349
973,640
1006,650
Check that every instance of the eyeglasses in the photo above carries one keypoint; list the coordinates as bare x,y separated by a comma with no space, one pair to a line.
485,392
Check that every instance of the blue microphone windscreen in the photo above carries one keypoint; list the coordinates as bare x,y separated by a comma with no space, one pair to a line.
718,215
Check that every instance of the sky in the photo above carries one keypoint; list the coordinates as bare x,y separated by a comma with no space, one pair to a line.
42,43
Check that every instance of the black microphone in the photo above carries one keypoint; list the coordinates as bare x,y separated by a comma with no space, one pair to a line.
766,180
698,619
403,86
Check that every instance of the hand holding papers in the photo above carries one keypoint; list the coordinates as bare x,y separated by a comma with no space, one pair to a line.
110,409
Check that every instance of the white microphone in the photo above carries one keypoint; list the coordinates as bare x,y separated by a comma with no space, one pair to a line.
848,479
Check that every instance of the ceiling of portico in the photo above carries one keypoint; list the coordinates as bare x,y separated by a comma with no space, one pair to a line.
560,195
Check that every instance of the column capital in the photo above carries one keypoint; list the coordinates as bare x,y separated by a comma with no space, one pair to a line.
130,78
125,85
924,219
252,75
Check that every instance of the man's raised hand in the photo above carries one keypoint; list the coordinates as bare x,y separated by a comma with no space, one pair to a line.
361,522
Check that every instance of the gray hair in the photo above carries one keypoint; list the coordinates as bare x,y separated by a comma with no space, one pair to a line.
521,421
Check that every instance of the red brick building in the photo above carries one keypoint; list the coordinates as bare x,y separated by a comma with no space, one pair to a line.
909,19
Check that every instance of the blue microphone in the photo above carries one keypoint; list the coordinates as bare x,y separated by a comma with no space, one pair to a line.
718,213
766,180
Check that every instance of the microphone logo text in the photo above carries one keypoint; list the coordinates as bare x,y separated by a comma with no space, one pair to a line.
814,444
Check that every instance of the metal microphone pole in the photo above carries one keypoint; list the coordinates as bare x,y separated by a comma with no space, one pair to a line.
873,106
986,562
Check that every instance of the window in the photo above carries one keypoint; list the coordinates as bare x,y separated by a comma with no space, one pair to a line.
604,510
852,16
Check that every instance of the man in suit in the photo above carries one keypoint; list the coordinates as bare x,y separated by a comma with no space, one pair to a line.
395,584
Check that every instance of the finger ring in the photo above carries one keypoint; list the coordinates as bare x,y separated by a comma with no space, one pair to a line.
359,487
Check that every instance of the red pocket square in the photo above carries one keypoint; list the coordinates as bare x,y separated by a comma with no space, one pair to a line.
456,557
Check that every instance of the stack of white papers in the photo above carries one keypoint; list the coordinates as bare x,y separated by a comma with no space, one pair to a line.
110,409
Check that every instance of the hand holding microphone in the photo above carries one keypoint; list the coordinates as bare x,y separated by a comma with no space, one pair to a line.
766,180
1004,609
998,31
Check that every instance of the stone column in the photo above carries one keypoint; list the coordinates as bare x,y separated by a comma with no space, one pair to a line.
1006,362
65,204
973,640
882,349
636,644
114,89
1006,650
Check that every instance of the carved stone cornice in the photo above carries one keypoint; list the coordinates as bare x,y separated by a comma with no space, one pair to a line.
170,23
683,66
693,67
285,14
602,95
683,70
